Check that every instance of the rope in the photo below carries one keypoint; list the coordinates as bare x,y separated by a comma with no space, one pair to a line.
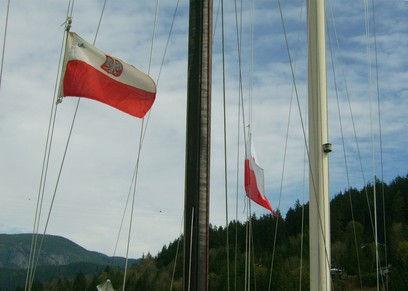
70,9
345,159
225,143
4,41
380,139
303,129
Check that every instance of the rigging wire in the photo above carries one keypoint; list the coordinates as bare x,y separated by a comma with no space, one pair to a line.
246,253
380,137
124,213
191,248
373,164
249,244
44,174
355,132
177,251
332,58
162,62
253,257
283,171
147,121
303,220
346,86
303,130
225,143
251,60
3,49
133,204
44,170
281,188
237,190
46,156
238,26
167,42
239,39
304,190
65,150
150,58
216,17
250,98
140,146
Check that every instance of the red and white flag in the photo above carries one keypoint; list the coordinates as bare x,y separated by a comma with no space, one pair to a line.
88,72
254,178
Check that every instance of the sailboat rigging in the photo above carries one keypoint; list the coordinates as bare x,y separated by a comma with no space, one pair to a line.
86,71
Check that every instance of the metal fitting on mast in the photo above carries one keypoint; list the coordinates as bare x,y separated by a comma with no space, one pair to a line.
68,23
327,148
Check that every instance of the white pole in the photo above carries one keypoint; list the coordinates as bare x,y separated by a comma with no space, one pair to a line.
319,210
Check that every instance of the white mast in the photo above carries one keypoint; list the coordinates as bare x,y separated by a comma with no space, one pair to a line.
319,207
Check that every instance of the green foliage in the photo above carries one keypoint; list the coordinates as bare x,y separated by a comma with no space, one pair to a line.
79,282
154,273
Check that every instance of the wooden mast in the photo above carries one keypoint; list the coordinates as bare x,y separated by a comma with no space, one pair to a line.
197,176
319,210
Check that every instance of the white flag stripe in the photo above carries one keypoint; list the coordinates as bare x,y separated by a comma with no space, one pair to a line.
79,49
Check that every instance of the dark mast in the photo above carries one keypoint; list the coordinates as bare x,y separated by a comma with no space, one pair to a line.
197,177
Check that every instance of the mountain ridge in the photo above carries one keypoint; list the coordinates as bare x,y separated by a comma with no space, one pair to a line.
56,251
60,257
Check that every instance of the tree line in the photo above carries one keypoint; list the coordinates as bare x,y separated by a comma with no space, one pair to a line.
155,272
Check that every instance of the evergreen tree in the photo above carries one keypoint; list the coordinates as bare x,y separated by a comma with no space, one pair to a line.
79,282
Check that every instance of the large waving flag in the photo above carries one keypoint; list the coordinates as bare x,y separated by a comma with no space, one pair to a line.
90,73
254,178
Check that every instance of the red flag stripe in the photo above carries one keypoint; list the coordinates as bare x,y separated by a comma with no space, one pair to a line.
83,80
252,190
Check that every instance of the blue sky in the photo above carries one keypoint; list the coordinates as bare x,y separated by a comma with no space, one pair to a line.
101,156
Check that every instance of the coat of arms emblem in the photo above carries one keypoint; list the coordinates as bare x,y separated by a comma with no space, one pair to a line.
112,66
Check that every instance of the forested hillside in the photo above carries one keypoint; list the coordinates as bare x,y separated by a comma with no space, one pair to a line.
154,273
60,257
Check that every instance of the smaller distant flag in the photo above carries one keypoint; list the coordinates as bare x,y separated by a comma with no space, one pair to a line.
254,178
90,73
